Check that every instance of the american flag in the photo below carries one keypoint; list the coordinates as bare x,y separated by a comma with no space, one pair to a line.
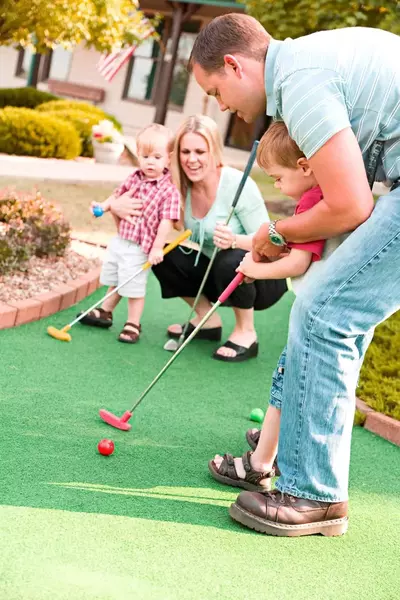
109,64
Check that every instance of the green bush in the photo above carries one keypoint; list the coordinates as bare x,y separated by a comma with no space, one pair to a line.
29,226
379,384
15,246
26,132
83,123
24,97
61,105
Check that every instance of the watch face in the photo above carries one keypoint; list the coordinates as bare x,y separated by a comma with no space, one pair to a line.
276,239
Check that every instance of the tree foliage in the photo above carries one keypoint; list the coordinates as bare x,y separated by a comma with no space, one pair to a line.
41,25
294,18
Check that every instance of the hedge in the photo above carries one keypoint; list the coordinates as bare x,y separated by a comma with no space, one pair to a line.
57,105
379,384
26,97
83,122
26,132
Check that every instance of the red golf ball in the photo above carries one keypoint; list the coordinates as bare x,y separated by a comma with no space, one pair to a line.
105,447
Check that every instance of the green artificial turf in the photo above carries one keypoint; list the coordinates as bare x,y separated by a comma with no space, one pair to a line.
380,375
148,523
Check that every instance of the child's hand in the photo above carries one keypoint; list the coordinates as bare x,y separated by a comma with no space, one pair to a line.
156,256
103,205
250,268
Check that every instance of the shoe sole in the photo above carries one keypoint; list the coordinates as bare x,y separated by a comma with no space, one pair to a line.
240,483
332,528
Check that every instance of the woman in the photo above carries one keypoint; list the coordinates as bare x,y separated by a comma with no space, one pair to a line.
208,189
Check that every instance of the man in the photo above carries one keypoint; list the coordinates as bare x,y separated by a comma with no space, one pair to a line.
339,94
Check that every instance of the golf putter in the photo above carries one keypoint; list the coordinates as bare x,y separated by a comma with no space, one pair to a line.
172,345
64,336
122,422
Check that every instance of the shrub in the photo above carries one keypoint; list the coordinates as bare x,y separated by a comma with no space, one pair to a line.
379,384
61,105
29,226
83,122
25,97
15,246
26,132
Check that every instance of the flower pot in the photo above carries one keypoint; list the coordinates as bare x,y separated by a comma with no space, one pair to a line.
108,152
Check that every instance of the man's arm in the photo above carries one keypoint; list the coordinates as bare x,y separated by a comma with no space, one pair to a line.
347,199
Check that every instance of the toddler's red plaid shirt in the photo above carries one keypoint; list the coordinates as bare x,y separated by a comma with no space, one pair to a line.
161,200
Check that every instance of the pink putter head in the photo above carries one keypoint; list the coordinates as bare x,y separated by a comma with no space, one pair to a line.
114,421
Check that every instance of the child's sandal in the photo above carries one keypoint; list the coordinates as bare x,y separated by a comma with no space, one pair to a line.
130,333
98,317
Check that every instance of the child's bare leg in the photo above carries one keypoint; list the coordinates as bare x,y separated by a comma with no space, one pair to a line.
267,447
135,310
112,301
263,456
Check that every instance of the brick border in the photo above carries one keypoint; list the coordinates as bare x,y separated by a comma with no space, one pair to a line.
43,305
380,424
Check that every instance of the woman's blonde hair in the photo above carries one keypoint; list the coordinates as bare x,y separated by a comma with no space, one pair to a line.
208,129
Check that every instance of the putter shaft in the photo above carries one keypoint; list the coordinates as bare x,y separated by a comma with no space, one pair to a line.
243,180
225,294
147,265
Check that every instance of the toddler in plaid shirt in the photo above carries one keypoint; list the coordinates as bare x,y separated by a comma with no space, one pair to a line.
142,238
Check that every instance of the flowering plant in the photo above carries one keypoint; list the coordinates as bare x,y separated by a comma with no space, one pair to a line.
105,132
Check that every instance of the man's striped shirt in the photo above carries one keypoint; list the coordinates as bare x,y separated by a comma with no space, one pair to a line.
324,82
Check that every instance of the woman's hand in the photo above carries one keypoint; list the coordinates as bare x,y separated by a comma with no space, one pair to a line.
223,236
127,208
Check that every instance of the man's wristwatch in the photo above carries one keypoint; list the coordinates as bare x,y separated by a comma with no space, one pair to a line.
275,238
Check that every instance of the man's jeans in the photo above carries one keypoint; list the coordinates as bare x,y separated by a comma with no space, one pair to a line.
331,325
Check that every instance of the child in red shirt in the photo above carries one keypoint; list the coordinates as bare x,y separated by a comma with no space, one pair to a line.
279,157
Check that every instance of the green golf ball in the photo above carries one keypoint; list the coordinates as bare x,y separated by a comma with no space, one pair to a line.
257,415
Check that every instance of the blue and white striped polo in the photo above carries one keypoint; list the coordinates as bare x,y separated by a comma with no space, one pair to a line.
324,82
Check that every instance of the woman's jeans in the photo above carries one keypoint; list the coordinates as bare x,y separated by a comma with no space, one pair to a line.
331,324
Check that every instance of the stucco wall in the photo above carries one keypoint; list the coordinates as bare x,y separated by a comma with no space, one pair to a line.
132,115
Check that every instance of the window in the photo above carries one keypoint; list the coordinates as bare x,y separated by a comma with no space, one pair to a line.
60,64
141,71
181,76
23,63
54,65
144,68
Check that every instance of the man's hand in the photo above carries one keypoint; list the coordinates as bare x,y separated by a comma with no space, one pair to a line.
127,208
263,247
156,256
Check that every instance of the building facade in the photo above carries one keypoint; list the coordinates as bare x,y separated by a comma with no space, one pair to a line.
153,86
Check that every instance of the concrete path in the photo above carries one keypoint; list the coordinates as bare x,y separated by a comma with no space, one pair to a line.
87,170
84,169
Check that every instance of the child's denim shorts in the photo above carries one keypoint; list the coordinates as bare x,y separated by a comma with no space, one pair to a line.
277,382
